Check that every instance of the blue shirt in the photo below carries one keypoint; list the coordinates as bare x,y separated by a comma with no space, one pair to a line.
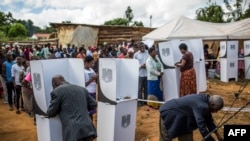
8,66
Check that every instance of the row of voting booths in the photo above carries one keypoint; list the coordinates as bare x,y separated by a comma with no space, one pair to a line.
229,59
118,78
117,98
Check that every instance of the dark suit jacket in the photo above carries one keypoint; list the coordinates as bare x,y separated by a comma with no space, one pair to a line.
72,103
187,113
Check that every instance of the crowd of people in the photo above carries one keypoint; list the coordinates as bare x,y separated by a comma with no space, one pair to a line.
18,94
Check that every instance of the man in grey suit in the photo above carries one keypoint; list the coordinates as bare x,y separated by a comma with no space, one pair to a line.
72,103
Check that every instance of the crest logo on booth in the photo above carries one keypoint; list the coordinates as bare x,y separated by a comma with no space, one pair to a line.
107,75
126,121
37,81
231,65
165,52
247,46
232,47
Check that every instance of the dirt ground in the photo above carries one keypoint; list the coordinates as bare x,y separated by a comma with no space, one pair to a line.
15,127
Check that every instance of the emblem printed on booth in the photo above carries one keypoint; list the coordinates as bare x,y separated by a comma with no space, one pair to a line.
107,75
232,47
247,46
231,65
236,132
37,81
126,120
165,51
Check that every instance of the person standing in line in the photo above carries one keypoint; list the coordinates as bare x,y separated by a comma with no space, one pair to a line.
142,56
6,73
154,75
15,73
27,92
188,77
90,80
3,82
181,116
72,103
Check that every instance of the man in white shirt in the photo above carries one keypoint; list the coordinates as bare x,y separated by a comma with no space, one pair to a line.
142,56
15,73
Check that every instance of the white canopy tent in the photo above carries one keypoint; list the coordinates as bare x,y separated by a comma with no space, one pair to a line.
185,28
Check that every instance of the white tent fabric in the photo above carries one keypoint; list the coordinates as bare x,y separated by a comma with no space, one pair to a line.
185,28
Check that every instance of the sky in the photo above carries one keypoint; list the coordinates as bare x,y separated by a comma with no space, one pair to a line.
96,12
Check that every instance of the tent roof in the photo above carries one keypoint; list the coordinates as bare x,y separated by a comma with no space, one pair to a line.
185,28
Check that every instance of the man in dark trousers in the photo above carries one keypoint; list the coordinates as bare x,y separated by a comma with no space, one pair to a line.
180,117
72,103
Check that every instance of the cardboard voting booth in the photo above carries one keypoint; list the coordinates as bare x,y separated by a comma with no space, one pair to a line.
169,54
196,47
117,99
228,60
42,72
247,58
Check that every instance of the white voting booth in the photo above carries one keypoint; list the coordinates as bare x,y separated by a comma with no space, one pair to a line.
228,60
247,58
117,99
42,72
196,47
170,54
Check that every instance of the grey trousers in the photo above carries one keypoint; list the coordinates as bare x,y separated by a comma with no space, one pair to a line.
164,134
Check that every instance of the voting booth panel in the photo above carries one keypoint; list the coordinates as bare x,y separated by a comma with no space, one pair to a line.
229,69
42,72
169,54
195,46
247,67
247,58
117,99
199,64
229,49
247,48
228,60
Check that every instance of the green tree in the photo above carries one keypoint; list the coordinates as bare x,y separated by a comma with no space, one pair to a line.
136,23
48,29
29,25
129,14
66,21
5,21
213,13
117,21
247,12
125,21
17,30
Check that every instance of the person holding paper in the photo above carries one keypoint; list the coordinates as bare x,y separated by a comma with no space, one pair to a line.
188,76
72,103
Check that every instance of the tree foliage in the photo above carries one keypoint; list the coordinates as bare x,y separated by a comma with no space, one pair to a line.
29,25
129,14
234,11
117,21
17,30
214,13
66,21
127,21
